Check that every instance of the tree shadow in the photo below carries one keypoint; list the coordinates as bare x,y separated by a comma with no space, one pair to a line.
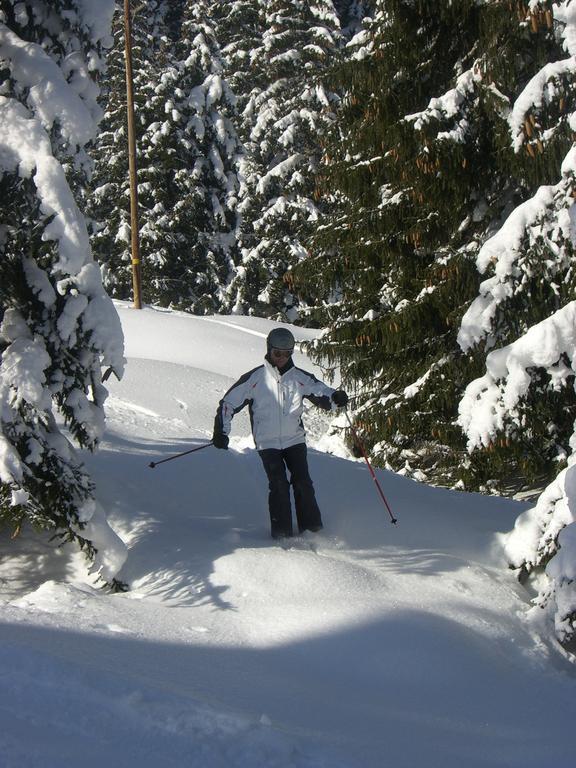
181,517
393,690
32,558
177,519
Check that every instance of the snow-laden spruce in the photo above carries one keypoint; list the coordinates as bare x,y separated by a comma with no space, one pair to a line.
188,152
286,112
456,121
394,249
536,239
58,327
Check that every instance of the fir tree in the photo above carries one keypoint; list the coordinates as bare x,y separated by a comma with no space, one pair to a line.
528,264
424,176
239,27
58,327
285,115
188,185
351,14
108,203
396,251
522,322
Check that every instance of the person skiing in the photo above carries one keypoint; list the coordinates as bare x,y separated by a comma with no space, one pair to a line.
275,394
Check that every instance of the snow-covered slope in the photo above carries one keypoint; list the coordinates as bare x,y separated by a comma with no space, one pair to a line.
368,645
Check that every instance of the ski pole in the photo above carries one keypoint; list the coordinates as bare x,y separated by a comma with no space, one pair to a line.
177,455
359,445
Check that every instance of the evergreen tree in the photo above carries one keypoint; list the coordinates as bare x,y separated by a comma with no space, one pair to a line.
188,151
239,27
287,112
528,264
523,321
351,14
58,327
397,249
108,203
424,175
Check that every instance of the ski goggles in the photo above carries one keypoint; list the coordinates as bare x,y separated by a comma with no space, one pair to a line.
281,352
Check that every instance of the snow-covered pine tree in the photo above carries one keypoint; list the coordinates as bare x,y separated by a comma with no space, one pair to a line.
108,203
187,158
239,27
524,318
287,112
58,327
352,13
188,180
414,191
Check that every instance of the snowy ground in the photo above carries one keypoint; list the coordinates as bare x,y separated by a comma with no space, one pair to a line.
367,646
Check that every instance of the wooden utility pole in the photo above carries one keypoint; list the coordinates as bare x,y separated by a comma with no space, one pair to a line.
134,226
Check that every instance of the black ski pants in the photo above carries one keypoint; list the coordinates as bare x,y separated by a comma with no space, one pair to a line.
276,462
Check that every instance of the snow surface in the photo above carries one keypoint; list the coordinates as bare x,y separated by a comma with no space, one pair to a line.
368,645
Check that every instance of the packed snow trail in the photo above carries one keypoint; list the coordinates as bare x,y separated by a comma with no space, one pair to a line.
365,646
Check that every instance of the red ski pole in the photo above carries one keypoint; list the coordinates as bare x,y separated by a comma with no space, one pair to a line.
177,455
360,447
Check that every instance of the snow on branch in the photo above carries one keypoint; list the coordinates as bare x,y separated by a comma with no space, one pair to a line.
534,246
447,106
280,171
491,399
545,537
58,334
545,88
25,148
50,96
565,13
545,221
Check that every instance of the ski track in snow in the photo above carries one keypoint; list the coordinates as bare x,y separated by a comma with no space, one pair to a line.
365,646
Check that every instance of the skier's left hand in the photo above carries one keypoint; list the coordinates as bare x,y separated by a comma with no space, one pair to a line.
340,398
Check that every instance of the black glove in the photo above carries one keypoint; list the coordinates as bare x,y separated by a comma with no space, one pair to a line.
220,440
340,398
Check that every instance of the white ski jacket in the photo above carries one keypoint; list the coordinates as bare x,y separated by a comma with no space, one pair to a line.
275,401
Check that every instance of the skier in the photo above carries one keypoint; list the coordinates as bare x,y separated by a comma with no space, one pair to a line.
275,393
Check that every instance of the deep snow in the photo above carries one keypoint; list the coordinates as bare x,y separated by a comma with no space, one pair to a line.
368,645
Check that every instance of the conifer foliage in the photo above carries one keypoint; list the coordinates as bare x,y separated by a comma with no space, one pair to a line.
398,249
239,25
187,157
425,171
226,179
455,165
189,172
529,257
58,327
108,204
524,317
287,112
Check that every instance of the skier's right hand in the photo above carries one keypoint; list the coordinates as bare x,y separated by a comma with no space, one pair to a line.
220,440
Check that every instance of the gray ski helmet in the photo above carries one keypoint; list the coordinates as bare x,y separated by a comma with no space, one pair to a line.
280,338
